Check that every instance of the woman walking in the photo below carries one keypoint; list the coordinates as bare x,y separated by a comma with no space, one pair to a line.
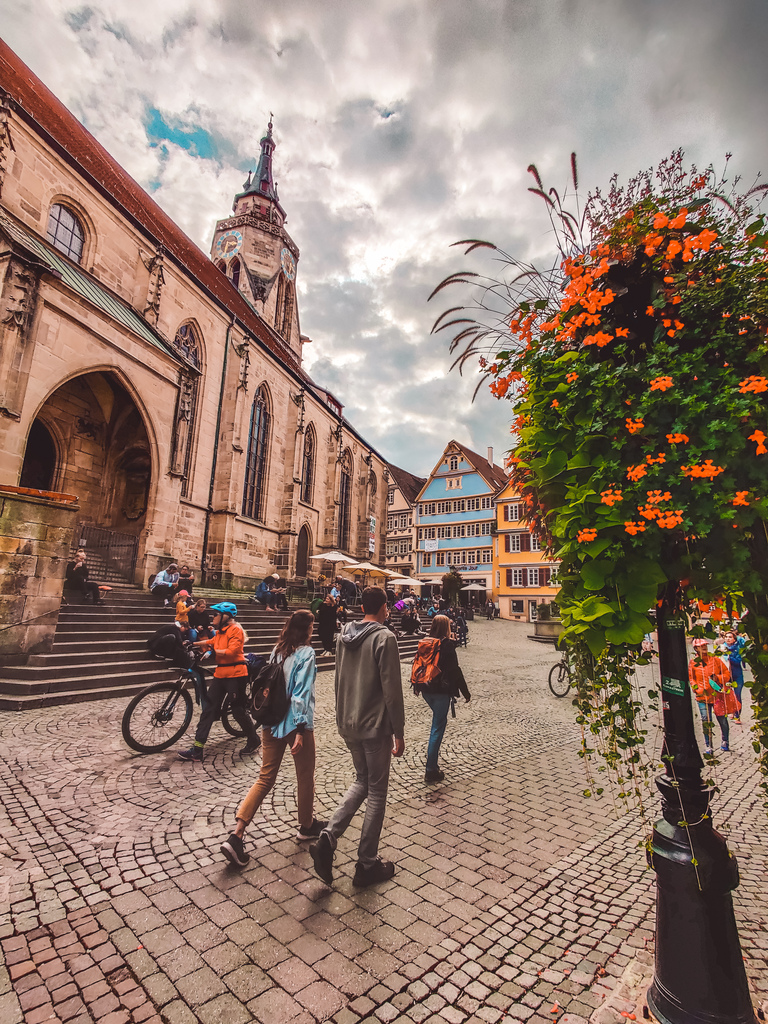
294,650
327,624
733,645
441,691
710,678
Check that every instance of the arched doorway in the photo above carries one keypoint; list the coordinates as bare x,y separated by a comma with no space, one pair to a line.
302,551
102,454
39,468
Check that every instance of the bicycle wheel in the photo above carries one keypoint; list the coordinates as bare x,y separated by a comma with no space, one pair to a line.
228,721
559,679
157,717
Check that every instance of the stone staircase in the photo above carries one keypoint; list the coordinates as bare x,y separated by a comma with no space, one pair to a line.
101,651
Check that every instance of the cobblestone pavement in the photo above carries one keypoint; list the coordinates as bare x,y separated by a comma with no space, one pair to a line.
515,899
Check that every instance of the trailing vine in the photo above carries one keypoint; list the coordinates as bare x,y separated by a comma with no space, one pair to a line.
638,370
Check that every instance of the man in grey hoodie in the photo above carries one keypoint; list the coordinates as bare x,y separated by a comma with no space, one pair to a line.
370,716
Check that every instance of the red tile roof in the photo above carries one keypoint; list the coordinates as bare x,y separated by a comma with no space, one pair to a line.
60,128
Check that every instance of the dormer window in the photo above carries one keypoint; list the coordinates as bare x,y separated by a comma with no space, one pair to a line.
65,232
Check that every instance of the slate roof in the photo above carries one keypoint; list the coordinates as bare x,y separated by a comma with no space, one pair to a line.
37,105
409,484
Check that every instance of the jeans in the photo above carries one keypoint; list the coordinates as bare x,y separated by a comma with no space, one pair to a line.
706,711
217,691
737,690
272,751
371,759
440,704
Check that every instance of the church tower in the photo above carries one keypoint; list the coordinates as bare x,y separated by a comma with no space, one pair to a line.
255,251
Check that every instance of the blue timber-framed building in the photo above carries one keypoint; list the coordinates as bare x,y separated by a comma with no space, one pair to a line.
454,517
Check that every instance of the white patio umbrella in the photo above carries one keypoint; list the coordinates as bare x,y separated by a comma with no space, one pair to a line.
367,568
406,581
333,556
475,586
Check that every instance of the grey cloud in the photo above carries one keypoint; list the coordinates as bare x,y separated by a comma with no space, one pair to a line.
403,126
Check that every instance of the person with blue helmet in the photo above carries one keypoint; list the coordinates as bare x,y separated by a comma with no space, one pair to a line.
230,678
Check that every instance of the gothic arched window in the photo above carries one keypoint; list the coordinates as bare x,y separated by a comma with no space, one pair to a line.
234,272
186,342
345,499
372,489
308,466
256,462
65,232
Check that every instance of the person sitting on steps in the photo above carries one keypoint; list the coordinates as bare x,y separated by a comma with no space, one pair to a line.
77,578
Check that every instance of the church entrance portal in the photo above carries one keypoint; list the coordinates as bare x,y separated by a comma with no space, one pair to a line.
89,439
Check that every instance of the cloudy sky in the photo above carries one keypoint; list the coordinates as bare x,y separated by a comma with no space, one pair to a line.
402,126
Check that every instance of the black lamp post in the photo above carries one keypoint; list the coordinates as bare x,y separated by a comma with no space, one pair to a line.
699,975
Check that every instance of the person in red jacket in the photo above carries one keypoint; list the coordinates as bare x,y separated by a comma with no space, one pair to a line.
710,678
230,678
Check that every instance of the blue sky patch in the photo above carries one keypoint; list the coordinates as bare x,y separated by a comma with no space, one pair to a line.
197,140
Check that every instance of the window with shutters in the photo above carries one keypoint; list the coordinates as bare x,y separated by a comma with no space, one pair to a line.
511,541
535,543
533,577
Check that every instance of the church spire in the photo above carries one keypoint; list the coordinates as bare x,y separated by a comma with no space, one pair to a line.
262,183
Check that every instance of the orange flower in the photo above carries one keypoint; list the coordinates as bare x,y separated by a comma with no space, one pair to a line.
648,512
656,497
660,458
678,438
679,221
759,438
572,376
634,425
584,536
669,280
673,249
669,520
555,404
634,473
660,220
632,528
622,332
610,497
602,339
661,383
754,383
741,498
705,470
650,311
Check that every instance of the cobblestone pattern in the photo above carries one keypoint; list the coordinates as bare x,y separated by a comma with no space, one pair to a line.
514,897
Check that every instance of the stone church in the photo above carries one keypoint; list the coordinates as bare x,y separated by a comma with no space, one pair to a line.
163,388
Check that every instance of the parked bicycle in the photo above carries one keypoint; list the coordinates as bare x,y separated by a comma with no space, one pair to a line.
560,677
160,714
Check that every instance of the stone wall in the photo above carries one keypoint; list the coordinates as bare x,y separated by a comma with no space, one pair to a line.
35,538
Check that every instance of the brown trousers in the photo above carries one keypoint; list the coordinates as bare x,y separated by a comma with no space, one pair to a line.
272,751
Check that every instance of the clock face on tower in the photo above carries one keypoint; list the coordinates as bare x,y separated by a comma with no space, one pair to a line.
229,244
288,264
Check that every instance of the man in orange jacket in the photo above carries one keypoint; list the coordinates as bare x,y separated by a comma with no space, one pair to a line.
229,679
709,678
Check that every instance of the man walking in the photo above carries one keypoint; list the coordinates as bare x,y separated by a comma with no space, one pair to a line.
370,717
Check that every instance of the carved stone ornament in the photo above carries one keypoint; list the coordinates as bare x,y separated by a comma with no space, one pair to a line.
18,294
184,410
6,142
154,264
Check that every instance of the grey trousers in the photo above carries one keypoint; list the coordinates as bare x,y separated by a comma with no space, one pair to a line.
371,759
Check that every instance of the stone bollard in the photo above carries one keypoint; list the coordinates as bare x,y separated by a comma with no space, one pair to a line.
35,539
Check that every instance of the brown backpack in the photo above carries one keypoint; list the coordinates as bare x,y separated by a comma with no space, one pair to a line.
425,669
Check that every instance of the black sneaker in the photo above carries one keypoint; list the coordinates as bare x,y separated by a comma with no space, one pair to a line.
312,831
436,776
321,853
251,746
193,754
234,852
380,871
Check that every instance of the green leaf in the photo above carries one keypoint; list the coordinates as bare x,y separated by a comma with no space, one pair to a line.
593,574
554,465
625,633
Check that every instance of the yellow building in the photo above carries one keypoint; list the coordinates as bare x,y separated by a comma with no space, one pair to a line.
522,573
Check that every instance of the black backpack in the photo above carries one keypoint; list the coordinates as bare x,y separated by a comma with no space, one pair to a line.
269,696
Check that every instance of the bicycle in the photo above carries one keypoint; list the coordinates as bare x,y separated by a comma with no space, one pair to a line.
559,678
160,714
